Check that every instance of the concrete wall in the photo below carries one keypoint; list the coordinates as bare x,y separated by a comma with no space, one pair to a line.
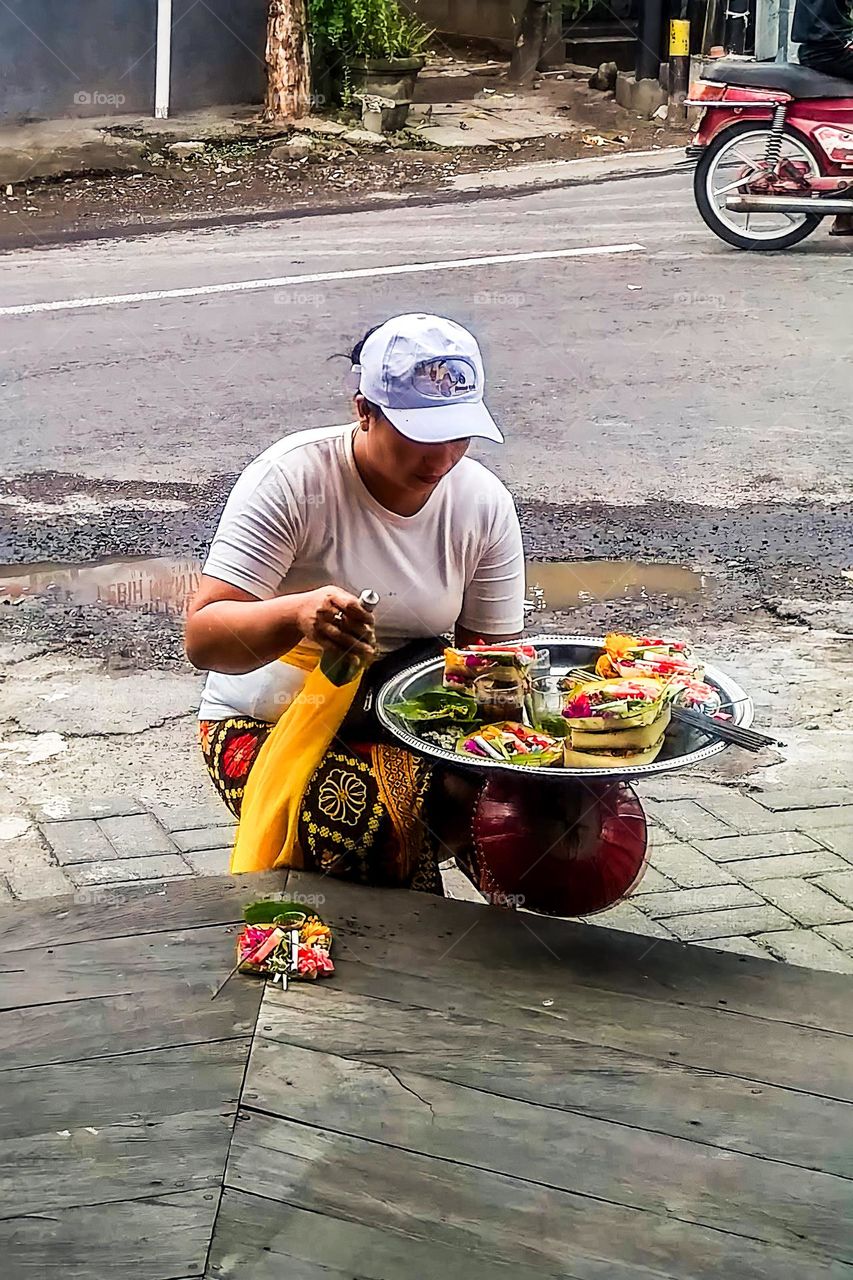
96,57
217,52
488,19
76,57
767,19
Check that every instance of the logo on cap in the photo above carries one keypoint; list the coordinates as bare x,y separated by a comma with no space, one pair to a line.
444,379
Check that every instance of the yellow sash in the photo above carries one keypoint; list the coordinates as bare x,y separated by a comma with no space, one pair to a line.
286,763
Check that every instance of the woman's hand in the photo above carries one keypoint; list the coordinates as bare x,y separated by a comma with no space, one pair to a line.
335,620
231,631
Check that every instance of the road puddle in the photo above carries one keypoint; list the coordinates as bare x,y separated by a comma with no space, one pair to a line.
571,584
158,584
154,584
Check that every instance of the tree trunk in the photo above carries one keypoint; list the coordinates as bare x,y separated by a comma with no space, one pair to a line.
530,41
288,61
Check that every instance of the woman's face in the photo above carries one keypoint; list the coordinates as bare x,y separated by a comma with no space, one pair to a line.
402,463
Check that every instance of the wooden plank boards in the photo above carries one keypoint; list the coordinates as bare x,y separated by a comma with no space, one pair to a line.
262,1239
775,1053
492,1215
760,1199
156,1238
92,914
501,1108
502,1102
116,994
117,1128
129,1023
541,947
146,963
120,1081
533,1066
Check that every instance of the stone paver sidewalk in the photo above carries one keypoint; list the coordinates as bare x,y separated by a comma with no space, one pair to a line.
767,874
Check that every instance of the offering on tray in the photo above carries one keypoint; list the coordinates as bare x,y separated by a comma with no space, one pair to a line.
696,695
496,675
669,660
616,723
511,743
645,656
437,705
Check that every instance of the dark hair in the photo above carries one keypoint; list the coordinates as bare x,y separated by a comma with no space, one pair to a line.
355,357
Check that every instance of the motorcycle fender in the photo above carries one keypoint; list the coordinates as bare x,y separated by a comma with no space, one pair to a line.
717,119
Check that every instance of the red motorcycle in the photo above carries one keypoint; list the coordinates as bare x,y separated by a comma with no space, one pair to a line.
775,151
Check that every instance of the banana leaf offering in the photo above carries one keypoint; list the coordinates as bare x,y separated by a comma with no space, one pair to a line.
511,743
284,941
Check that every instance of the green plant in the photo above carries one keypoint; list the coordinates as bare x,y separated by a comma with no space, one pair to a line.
366,28
328,22
574,9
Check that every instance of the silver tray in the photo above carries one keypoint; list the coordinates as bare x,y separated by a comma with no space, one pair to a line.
683,746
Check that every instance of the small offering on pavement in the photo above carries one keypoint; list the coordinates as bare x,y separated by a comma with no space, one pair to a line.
284,941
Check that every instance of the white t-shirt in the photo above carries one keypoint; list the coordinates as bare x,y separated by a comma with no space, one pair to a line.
300,517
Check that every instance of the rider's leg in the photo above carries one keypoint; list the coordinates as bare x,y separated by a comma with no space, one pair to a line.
833,59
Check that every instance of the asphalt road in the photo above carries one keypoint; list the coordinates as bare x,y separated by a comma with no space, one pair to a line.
669,400
679,370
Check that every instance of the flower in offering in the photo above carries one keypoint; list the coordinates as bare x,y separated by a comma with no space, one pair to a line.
646,655
696,695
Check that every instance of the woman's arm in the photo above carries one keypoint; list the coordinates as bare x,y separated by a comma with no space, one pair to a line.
493,602
231,631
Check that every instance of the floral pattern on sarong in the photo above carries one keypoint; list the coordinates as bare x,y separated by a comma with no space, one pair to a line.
342,797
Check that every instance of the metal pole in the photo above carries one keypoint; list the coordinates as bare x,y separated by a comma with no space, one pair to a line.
737,18
679,69
163,66
649,39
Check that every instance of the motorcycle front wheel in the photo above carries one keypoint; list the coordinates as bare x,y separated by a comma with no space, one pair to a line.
731,163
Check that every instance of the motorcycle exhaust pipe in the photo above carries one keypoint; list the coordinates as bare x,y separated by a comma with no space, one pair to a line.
788,204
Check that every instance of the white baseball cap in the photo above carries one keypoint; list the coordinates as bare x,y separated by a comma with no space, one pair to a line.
426,375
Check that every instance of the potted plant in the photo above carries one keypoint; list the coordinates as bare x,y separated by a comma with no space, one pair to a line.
372,47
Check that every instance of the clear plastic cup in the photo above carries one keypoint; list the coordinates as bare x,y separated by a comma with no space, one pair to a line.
546,705
541,665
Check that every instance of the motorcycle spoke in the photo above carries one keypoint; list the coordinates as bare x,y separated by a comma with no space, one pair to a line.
734,186
744,159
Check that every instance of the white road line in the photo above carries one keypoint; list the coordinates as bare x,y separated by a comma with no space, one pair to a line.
319,277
